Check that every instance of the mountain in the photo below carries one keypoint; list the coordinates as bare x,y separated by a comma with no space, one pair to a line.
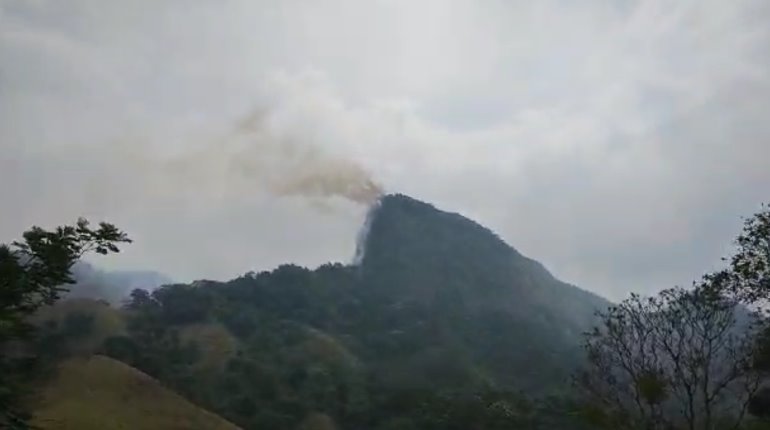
500,308
422,254
437,324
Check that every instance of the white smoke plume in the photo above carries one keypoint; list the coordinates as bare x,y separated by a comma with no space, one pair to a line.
363,233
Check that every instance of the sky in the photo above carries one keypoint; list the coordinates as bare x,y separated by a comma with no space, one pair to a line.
617,142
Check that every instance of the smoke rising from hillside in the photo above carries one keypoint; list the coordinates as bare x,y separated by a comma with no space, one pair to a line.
297,167
363,233
254,155
618,142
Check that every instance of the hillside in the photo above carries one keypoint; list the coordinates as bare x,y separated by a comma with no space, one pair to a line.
100,393
437,316
420,253
487,301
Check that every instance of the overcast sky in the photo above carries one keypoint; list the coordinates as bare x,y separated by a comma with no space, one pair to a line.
618,142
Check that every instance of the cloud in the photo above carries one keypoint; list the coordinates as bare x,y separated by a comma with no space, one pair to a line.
617,142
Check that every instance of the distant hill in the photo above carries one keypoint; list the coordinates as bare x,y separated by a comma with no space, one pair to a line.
112,286
99,393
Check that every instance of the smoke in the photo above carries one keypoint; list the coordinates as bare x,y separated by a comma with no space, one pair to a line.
331,178
256,155
363,233
262,178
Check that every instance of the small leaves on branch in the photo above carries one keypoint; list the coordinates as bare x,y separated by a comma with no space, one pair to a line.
33,271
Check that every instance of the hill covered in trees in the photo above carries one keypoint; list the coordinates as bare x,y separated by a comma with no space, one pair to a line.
438,324
436,311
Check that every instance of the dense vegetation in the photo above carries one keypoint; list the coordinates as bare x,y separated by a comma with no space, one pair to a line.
441,325
33,273
696,358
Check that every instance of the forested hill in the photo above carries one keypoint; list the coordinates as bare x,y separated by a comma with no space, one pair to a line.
414,252
437,310
498,308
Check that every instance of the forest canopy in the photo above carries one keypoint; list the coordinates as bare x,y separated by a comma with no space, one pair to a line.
440,325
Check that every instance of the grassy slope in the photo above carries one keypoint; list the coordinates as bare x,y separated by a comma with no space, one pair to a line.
104,394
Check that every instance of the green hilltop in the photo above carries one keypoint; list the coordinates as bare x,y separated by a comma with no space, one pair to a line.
436,322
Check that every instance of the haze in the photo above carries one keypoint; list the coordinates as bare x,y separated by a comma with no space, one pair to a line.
618,142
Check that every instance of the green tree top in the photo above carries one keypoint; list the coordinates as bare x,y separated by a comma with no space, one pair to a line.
34,272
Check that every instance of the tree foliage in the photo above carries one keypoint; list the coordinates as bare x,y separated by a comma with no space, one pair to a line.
440,311
747,276
443,326
681,359
686,358
311,344
748,279
34,272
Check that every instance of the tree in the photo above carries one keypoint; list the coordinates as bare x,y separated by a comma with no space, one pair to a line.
681,359
34,272
747,278
687,358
